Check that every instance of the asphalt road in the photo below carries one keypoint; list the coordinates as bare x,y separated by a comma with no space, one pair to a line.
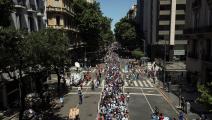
143,97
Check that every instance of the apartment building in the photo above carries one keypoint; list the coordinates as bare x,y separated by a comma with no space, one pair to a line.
198,31
28,15
60,14
162,25
132,13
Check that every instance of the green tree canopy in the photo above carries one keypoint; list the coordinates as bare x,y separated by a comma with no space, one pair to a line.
93,26
13,47
126,33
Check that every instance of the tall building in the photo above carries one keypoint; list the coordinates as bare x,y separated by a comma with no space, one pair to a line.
198,31
132,13
60,14
162,23
28,15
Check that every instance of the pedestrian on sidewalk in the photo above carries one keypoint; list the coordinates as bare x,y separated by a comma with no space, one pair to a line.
128,96
61,101
80,97
183,103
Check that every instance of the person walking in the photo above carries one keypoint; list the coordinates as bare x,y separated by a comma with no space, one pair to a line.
80,97
128,96
62,101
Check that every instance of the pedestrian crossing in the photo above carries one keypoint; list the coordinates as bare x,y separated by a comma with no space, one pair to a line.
88,84
133,83
139,83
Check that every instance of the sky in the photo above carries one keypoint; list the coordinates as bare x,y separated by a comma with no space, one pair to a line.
115,9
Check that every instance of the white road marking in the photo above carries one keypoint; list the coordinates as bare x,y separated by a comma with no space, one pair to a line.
145,84
126,84
89,82
84,83
140,83
102,84
138,88
86,87
150,83
147,100
135,83
86,93
146,94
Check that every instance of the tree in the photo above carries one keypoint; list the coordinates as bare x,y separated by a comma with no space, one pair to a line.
126,33
6,7
50,49
93,26
14,50
13,45
206,94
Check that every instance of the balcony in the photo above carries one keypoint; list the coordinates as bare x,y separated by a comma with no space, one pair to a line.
19,4
63,27
31,8
193,55
60,9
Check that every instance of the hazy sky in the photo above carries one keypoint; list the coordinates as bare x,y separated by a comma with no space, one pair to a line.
116,9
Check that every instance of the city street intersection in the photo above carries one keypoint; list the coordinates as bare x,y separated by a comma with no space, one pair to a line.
144,97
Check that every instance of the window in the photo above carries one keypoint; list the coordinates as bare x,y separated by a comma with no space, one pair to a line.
181,7
180,17
58,20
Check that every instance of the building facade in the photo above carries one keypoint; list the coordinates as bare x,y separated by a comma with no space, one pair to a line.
60,14
132,13
28,15
162,25
198,31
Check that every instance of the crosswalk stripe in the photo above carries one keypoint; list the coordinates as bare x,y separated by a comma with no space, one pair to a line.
89,82
84,83
140,83
102,83
145,84
126,84
135,83
149,83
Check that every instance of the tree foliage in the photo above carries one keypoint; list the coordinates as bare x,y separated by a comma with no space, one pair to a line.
126,33
6,7
93,26
49,47
13,45
206,94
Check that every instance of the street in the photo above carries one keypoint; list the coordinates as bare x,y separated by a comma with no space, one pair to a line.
144,97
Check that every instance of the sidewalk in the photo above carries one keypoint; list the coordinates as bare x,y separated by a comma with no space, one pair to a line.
196,108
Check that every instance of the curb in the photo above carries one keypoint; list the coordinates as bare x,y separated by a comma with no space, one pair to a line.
169,100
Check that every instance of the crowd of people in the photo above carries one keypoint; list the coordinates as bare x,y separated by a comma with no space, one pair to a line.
113,103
